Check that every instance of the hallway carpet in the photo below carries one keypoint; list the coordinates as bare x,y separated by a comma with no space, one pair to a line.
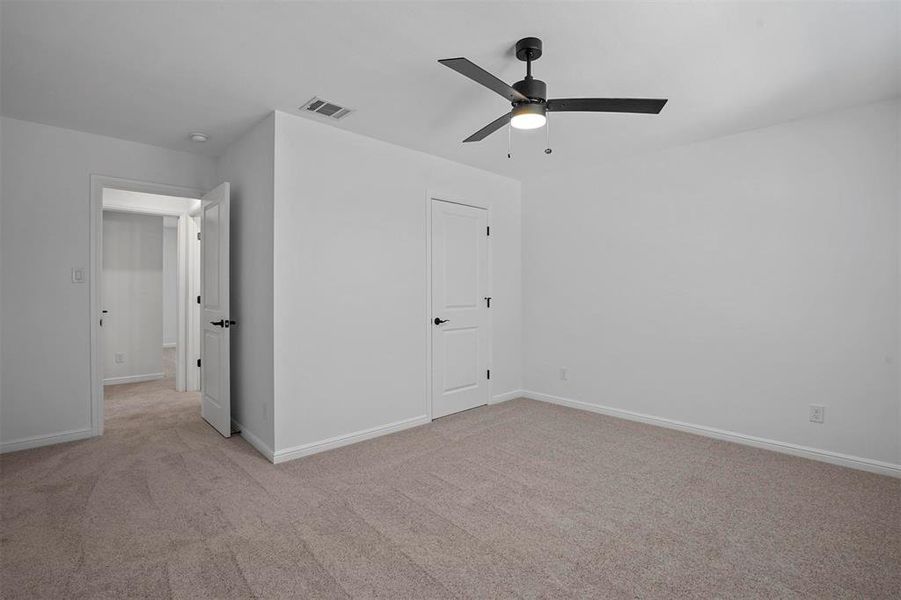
521,499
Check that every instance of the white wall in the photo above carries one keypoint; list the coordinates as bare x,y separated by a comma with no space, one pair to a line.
170,281
728,283
44,351
351,279
248,166
133,295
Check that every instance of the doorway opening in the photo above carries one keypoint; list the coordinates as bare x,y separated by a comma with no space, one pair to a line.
149,330
202,308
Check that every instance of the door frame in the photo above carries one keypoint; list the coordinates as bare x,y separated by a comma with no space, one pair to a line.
192,336
95,273
431,197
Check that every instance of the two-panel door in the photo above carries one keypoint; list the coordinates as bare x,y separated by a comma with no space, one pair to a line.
215,339
459,320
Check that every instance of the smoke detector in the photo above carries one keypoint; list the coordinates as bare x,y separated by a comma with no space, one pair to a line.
325,108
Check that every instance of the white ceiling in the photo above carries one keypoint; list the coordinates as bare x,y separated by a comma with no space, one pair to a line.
153,72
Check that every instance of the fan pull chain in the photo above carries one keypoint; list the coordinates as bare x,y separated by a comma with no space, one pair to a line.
509,140
547,133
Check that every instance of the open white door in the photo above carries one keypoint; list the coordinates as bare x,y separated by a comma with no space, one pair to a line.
215,344
460,323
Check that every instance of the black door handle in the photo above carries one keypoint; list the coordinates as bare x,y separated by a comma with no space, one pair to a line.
219,323
440,321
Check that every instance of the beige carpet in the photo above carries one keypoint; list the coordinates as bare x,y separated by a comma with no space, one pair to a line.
521,499
169,355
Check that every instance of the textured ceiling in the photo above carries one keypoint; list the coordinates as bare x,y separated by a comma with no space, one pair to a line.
153,72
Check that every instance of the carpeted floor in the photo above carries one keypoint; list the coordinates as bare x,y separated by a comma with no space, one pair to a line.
169,355
520,499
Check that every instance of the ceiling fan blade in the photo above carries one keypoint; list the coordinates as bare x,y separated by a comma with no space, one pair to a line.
622,105
488,129
467,68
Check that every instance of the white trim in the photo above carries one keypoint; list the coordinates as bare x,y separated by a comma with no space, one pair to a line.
506,396
46,440
192,318
181,306
169,344
428,304
835,458
95,269
133,378
347,439
254,441
431,196
135,209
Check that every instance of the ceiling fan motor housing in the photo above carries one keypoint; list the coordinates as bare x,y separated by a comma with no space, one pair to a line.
534,89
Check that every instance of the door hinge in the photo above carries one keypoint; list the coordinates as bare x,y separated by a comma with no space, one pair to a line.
198,362
489,373
488,231
198,235
198,299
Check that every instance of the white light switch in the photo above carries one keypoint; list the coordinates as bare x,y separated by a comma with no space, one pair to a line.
78,275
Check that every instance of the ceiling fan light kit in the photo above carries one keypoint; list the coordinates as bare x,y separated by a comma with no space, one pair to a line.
528,116
528,96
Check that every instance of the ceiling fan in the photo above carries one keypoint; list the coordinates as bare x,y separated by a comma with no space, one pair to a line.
529,96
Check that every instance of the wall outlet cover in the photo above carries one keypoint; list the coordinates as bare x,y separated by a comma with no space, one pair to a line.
817,413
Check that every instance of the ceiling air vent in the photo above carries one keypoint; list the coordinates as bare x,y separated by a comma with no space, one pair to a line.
325,108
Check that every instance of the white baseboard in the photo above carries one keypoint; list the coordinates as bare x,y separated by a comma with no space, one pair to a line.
258,444
344,440
133,378
169,344
507,396
835,458
45,440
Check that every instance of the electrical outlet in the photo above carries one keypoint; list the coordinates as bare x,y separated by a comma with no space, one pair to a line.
78,275
564,374
817,413
120,358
